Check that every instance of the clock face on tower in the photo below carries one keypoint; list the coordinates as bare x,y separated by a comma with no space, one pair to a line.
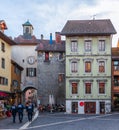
31,60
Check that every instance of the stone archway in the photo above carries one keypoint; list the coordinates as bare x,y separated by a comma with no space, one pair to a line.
29,94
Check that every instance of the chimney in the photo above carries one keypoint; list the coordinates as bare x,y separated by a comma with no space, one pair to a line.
41,36
57,37
50,38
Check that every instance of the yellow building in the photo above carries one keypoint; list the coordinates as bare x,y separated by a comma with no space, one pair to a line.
5,62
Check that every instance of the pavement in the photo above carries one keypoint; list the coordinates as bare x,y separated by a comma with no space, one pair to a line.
7,123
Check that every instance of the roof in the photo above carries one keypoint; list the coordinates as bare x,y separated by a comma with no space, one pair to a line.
88,27
20,40
27,23
44,45
15,63
7,39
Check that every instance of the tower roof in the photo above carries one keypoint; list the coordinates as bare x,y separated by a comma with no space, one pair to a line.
27,23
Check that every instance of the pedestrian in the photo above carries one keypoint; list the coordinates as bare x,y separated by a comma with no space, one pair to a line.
20,108
14,111
30,109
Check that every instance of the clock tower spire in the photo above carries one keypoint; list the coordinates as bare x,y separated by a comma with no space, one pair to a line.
27,30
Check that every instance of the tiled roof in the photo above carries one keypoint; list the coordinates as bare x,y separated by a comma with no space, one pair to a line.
21,40
7,39
88,27
44,45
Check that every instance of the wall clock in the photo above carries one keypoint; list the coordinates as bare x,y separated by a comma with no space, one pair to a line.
31,60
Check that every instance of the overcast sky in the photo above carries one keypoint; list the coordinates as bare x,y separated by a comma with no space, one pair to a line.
50,16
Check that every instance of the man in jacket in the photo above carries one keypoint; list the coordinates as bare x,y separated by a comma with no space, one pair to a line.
20,108
14,111
30,109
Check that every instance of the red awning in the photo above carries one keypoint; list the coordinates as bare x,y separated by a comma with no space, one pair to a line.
3,94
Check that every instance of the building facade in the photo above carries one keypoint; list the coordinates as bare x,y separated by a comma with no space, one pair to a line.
5,63
16,71
115,79
51,70
25,55
88,66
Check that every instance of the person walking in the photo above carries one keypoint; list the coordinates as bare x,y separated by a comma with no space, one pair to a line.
20,108
14,111
30,109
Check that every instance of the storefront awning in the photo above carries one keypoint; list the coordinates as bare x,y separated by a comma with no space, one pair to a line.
3,94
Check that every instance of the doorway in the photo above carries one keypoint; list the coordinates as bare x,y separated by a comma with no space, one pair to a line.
90,107
74,107
102,107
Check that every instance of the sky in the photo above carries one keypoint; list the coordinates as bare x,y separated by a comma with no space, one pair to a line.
50,16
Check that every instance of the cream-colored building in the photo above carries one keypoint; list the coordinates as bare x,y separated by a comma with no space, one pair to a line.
5,60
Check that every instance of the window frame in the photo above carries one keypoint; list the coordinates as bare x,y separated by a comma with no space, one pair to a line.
101,93
74,66
86,64
3,63
88,83
2,47
74,46
101,66
101,45
87,45
73,89
30,72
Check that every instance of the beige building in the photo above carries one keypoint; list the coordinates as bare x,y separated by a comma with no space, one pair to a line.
5,60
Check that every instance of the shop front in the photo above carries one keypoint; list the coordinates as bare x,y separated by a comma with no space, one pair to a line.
88,107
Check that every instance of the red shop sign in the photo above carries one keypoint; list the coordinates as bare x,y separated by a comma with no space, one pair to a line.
81,104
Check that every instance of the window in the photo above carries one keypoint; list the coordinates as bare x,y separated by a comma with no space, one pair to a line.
74,46
3,63
15,83
101,88
101,66
31,72
87,45
17,70
61,56
116,65
74,88
101,45
87,88
88,66
60,78
3,81
74,66
116,80
2,47
46,56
